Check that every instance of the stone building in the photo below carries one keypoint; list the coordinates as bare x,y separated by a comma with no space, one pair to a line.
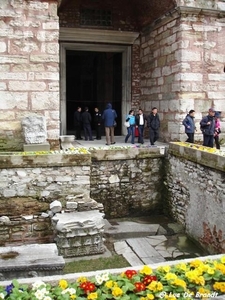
58,54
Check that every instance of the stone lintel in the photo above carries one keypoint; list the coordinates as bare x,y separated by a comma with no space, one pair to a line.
97,35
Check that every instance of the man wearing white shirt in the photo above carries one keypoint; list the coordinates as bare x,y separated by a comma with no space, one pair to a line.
140,123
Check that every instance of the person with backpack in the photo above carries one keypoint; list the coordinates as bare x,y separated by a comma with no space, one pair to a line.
189,125
109,115
207,126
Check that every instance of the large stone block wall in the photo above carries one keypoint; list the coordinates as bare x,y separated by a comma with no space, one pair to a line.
48,177
182,66
128,183
29,68
197,194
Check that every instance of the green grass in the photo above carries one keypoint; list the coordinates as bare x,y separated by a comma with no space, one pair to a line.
112,262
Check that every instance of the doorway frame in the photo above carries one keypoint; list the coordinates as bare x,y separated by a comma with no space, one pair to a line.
77,42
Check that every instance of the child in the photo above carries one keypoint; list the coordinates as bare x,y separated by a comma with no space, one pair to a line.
217,130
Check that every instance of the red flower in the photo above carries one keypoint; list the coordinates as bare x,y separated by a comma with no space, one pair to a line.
139,287
88,287
130,273
148,279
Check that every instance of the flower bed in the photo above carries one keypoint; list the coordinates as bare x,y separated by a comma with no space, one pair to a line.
185,280
67,151
202,148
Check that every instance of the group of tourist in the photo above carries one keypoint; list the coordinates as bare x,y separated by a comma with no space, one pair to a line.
209,125
153,123
83,120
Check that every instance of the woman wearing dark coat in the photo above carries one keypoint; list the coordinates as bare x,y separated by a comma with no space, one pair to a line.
189,125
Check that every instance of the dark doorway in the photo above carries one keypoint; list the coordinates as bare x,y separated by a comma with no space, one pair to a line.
93,79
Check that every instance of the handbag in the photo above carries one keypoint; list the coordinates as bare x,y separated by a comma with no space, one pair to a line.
136,132
126,124
114,124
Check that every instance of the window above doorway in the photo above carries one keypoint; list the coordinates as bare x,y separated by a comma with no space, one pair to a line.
96,17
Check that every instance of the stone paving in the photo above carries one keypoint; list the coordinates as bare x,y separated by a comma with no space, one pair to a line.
150,243
119,143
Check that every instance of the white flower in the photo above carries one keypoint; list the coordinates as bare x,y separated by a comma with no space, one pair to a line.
98,279
2,296
71,291
37,284
47,298
101,278
40,294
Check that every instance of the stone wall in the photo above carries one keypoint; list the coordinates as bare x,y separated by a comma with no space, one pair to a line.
48,177
182,66
196,191
128,183
29,68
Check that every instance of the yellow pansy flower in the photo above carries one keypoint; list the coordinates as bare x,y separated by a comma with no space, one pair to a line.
180,282
170,276
82,279
117,292
92,296
155,286
146,270
223,259
63,284
109,284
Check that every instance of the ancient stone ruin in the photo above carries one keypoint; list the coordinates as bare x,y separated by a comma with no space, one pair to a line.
35,133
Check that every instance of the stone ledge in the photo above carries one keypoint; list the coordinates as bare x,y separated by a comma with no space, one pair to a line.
125,153
73,276
211,160
15,160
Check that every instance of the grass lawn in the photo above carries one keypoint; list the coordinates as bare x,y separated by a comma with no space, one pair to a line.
112,262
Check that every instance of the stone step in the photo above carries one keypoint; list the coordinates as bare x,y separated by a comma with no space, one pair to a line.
30,261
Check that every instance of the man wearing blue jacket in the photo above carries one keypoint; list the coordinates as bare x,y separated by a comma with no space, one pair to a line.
189,125
109,115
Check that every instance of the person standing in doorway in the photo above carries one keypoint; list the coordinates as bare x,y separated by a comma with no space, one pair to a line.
153,124
109,115
217,130
86,120
97,122
78,123
140,123
131,129
189,125
207,126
